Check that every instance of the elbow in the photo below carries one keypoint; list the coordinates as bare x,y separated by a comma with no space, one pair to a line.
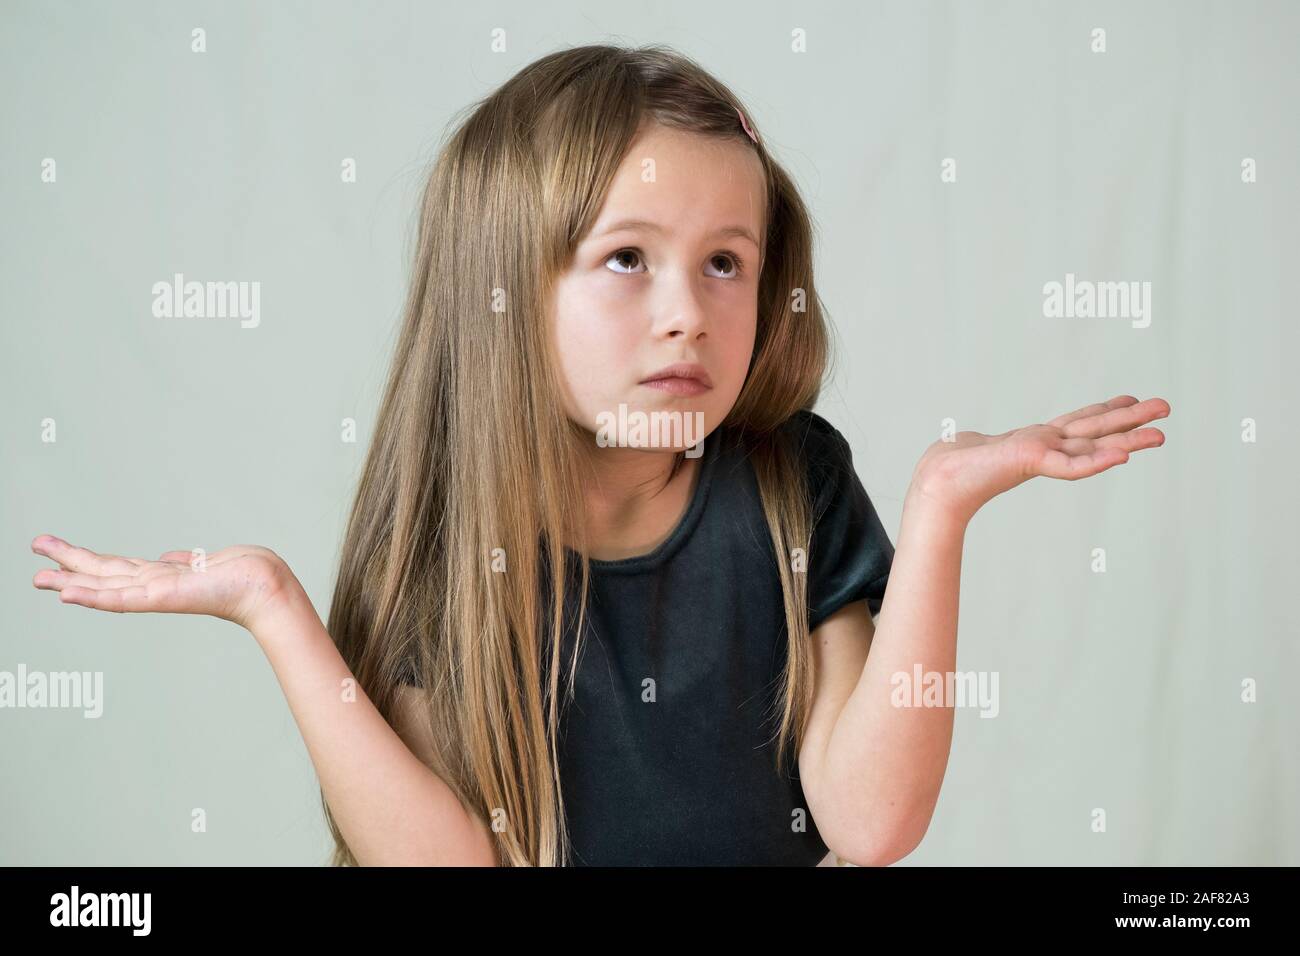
873,854
881,845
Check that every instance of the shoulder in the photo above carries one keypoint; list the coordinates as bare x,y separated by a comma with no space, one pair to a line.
850,552
817,443
816,448
813,434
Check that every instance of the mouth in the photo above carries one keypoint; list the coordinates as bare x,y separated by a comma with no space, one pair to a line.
684,378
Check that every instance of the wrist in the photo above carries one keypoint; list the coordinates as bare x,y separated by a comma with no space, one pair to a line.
931,495
282,614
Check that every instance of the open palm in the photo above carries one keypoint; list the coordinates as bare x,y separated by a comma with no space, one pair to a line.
233,584
972,469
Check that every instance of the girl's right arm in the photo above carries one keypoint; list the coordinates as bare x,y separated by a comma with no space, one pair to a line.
390,807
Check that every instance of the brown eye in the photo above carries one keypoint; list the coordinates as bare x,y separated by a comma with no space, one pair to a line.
725,258
623,255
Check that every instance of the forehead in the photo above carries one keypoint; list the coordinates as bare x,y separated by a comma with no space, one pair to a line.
690,183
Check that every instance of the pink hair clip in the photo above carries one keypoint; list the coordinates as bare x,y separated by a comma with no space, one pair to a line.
745,123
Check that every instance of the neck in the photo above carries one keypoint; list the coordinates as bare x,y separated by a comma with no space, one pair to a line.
633,498
623,480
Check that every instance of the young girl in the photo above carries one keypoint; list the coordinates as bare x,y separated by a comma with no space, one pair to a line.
553,643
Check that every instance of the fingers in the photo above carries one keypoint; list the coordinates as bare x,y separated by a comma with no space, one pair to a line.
1128,441
1116,419
82,559
1058,464
50,579
133,598
1082,457
1134,440
111,583
1119,401
160,594
85,561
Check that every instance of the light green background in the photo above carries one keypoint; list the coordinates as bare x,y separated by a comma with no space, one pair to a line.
1118,690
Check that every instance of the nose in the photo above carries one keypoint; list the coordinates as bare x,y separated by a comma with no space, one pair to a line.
680,311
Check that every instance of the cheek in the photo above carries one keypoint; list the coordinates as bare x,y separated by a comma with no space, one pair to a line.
593,339
739,347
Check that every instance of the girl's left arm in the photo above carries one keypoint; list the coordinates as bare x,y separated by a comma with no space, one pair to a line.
871,770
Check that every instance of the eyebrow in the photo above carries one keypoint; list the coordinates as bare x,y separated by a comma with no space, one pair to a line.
725,231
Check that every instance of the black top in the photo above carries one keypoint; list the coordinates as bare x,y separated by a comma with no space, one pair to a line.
666,751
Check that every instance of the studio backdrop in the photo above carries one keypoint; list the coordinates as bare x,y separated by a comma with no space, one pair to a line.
1021,208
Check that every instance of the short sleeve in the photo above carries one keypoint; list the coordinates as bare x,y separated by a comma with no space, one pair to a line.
850,555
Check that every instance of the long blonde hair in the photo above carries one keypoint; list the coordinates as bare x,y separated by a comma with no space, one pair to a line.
472,450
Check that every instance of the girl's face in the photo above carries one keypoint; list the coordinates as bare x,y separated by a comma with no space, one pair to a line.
667,276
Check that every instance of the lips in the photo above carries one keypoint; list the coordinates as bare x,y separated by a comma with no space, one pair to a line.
683,378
